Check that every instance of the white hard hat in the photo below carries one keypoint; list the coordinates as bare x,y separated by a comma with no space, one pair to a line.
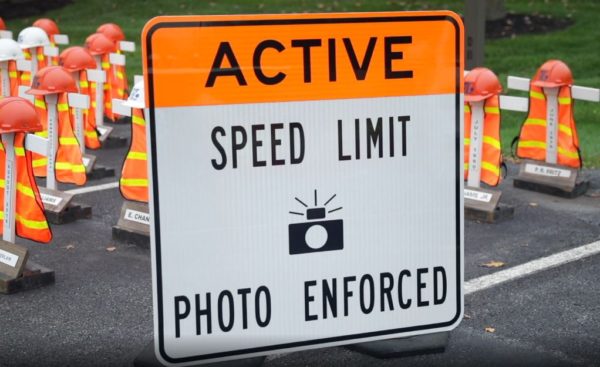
137,97
33,37
9,50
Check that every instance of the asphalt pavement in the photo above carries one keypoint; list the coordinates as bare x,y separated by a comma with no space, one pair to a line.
99,310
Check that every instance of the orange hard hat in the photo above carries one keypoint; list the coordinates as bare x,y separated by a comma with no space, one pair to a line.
52,79
553,73
480,84
99,44
2,25
112,31
48,25
76,58
18,115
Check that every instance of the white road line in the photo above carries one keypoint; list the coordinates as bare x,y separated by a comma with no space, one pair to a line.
85,190
532,267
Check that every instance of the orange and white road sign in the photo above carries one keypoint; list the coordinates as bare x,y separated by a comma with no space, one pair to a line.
306,180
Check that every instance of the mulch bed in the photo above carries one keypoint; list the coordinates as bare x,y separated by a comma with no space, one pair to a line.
516,24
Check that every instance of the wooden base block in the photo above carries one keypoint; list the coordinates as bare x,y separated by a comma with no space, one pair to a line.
89,161
404,347
579,189
54,200
484,205
147,358
34,276
100,172
13,258
550,179
71,213
134,224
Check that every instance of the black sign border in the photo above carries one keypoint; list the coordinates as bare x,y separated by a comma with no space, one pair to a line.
458,38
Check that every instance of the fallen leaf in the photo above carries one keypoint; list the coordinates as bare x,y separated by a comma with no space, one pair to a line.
111,248
69,247
533,204
489,329
493,264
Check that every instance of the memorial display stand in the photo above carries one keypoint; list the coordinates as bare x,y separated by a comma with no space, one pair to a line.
92,170
483,204
548,177
17,273
100,78
134,220
119,59
59,206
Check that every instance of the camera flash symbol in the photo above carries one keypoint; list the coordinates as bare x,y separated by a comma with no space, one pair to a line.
317,234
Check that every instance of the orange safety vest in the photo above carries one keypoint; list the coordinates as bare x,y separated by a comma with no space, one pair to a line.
532,139
13,78
118,83
68,166
134,175
89,115
52,60
30,220
491,157
25,77
108,87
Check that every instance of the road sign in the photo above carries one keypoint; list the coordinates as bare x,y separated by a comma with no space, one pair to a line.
306,186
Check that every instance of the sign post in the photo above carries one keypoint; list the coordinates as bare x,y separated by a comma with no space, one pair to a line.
306,180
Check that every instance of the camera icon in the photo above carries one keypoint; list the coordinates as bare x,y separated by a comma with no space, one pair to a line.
316,235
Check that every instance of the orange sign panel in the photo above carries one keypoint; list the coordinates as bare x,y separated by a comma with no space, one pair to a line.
213,60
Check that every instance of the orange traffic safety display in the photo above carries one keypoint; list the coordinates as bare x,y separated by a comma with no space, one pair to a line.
69,166
51,28
18,116
77,60
118,78
532,140
482,84
101,46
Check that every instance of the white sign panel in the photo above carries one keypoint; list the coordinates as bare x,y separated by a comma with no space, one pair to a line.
8,258
302,209
50,199
137,216
477,195
536,169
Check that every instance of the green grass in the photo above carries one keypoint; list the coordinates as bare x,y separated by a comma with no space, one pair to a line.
578,45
